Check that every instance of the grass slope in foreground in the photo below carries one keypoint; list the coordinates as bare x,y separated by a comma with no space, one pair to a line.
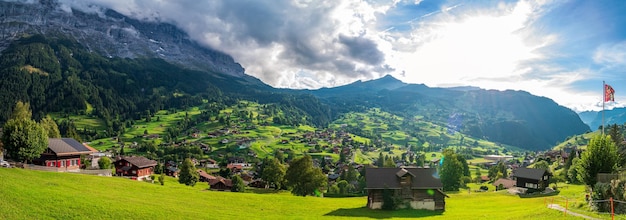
26,194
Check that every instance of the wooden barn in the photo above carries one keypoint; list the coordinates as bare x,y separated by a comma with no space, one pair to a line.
418,188
135,167
531,178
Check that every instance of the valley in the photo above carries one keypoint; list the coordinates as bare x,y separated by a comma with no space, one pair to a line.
180,130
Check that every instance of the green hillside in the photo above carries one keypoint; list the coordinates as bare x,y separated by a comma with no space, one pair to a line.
581,141
253,133
48,195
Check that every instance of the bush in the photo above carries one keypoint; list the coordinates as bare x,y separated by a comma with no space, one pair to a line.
389,202
485,188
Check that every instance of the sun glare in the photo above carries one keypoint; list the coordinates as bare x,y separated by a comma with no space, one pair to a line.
475,48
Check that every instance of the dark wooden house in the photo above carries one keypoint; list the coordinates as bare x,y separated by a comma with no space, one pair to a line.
417,188
531,178
221,184
135,167
63,154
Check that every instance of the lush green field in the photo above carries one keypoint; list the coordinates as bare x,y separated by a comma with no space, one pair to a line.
26,194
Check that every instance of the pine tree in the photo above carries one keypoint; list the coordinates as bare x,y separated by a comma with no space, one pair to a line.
188,174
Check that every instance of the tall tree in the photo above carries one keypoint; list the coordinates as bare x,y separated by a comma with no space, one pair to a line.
451,171
21,111
600,157
238,184
50,126
188,174
389,162
273,172
22,137
303,178
615,132
466,170
351,175
381,160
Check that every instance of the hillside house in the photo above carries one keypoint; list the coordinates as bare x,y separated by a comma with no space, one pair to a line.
416,187
204,176
531,178
171,169
221,184
135,167
64,154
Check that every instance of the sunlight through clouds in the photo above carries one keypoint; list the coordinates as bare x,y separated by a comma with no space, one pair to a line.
470,48
553,48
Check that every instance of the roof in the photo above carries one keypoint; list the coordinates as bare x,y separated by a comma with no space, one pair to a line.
205,175
403,172
380,178
226,182
140,161
529,173
68,146
506,183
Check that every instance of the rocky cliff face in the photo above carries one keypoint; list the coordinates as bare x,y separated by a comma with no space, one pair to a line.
111,34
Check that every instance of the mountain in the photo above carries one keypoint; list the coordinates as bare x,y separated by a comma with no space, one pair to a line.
587,117
119,69
515,118
594,118
111,34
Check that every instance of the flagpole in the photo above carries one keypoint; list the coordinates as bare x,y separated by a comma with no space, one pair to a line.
603,100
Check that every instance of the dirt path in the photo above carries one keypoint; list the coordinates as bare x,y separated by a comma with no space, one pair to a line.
560,208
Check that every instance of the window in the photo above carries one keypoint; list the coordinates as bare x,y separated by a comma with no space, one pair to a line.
404,180
134,172
54,164
531,185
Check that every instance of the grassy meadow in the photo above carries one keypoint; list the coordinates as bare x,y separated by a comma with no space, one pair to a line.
27,194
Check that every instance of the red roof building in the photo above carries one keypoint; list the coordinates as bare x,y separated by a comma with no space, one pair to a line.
64,154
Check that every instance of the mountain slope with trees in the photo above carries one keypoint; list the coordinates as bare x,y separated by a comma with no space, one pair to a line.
515,118
67,65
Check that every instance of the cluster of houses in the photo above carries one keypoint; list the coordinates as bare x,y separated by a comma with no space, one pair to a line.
417,188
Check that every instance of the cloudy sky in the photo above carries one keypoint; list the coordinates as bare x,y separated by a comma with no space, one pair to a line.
555,48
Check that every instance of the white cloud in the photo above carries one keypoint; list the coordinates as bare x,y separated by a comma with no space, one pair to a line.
611,54
313,44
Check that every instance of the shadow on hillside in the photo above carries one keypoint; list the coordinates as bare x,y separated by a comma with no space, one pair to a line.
382,214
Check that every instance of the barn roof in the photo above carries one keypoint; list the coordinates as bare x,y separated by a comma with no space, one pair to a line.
140,161
529,173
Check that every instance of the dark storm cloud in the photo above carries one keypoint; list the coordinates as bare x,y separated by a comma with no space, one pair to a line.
272,39
363,49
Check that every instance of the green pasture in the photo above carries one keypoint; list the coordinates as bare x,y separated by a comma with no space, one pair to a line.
30,194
